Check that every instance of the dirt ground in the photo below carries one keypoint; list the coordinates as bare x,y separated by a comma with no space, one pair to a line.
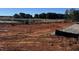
35,37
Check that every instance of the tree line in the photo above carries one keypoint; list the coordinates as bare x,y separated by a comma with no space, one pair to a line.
70,14
40,16
22,15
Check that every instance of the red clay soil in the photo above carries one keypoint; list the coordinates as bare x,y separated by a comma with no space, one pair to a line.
35,37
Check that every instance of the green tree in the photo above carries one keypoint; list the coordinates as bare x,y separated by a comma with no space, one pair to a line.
22,15
42,15
67,14
36,16
72,14
16,16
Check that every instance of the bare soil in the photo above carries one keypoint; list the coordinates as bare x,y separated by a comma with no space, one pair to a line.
35,37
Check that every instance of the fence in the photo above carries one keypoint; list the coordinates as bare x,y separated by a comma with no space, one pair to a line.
21,20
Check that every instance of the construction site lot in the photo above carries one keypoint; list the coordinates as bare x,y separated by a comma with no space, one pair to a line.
35,37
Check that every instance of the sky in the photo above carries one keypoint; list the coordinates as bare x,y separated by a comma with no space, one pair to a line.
32,11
